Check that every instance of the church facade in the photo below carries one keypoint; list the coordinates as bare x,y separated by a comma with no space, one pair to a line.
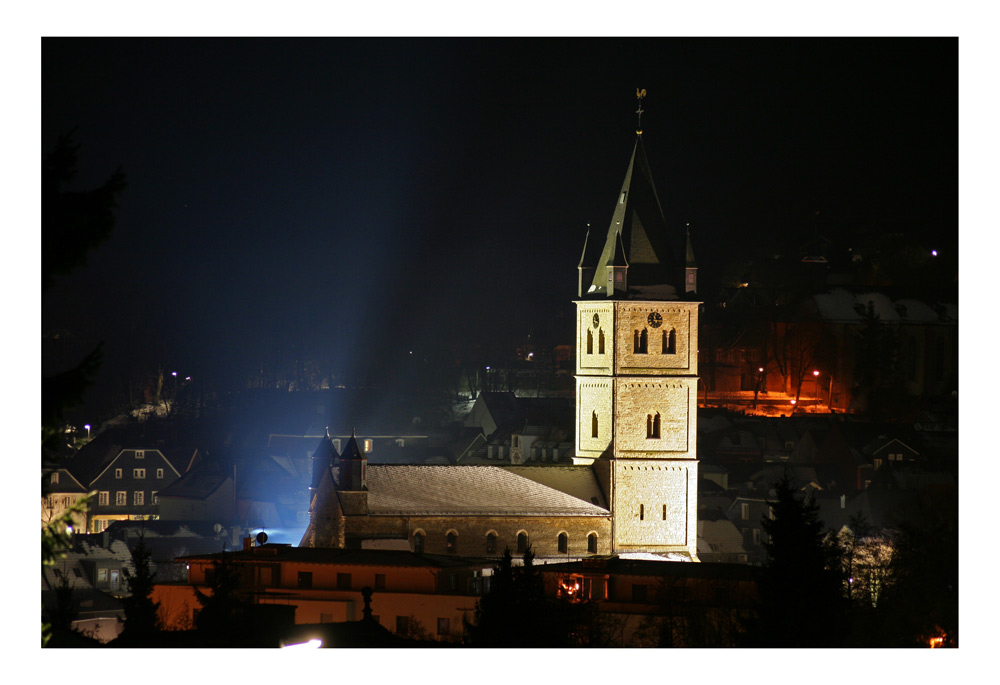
632,487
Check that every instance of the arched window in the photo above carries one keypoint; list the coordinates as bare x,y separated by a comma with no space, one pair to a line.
491,543
562,543
643,341
593,425
635,342
642,512
590,342
670,342
592,543
522,542
418,542
653,426
600,341
451,542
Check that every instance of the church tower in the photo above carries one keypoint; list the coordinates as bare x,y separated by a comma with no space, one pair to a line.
637,372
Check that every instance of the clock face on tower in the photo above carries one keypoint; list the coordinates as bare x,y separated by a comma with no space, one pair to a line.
655,319
597,321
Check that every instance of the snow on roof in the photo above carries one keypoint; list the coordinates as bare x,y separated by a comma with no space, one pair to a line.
841,306
447,490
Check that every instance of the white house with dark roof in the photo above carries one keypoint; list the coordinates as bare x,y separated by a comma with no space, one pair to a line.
127,467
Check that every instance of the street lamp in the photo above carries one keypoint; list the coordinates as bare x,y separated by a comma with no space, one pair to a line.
87,426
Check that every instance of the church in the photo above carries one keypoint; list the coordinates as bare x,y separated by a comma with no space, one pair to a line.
632,486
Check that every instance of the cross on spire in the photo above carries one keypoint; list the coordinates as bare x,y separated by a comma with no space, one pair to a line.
640,93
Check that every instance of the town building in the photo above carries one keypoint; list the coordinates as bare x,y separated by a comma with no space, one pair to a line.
126,467
645,603
424,596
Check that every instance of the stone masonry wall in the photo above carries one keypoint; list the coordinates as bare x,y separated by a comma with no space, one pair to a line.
655,505
593,396
542,532
634,317
594,362
640,399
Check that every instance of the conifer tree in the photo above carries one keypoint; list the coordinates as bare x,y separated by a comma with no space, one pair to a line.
801,602
223,610
141,619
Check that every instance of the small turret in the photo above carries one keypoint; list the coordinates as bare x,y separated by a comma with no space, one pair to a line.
587,267
353,464
618,271
690,266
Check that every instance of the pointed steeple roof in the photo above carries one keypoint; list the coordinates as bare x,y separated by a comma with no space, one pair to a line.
352,450
639,230
322,459
689,261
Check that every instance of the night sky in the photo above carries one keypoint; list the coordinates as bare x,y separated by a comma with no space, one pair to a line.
357,198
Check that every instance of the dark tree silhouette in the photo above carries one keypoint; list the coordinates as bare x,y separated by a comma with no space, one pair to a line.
516,612
223,614
921,602
73,223
141,620
800,592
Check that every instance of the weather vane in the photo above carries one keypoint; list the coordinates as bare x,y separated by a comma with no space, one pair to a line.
640,93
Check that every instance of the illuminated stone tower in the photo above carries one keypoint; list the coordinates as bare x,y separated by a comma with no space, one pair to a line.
637,373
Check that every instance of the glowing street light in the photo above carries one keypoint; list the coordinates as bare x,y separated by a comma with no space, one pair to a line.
315,643
87,426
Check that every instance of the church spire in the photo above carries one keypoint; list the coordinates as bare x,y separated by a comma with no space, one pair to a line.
639,94
690,265
639,230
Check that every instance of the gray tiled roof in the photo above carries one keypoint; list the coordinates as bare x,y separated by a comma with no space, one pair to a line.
481,490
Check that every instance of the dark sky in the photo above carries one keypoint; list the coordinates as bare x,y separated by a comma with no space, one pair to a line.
356,195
